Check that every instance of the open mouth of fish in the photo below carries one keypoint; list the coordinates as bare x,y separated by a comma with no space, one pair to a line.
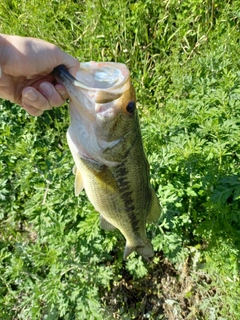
96,90
94,75
95,99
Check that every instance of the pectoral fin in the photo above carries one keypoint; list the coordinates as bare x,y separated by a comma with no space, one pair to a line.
78,185
105,225
154,210
74,170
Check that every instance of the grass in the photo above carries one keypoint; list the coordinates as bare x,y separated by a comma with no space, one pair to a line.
55,262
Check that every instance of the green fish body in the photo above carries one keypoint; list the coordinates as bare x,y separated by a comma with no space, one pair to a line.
105,140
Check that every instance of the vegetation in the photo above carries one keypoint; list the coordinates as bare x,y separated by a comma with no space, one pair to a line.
55,262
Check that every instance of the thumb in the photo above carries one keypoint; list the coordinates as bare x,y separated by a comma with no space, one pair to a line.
70,62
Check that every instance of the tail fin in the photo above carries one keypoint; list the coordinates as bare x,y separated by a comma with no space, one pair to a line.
146,250
127,251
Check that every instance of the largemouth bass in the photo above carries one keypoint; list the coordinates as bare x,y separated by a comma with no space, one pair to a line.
105,141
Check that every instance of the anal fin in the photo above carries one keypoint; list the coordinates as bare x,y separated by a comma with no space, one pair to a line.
105,225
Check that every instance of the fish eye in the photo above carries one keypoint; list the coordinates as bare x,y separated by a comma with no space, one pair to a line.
131,107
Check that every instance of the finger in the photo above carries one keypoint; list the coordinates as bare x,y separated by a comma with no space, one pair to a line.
32,111
31,97
61,90
54,97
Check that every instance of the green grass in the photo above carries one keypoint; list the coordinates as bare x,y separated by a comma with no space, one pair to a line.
55,262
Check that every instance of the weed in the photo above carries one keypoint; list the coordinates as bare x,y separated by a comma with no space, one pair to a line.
55,262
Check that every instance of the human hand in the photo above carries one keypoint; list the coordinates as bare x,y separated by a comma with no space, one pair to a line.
26,79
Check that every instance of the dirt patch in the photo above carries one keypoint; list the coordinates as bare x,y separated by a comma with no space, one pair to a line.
165,293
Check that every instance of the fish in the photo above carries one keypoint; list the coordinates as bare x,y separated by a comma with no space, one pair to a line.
105,140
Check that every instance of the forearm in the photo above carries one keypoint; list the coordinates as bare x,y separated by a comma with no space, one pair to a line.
3,43
5,88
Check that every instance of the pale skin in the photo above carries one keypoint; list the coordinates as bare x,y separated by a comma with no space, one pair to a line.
26,79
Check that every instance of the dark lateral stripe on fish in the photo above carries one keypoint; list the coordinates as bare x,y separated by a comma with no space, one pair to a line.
123,183
126,196
121,170
134,223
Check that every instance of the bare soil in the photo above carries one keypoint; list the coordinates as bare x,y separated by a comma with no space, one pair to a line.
164,294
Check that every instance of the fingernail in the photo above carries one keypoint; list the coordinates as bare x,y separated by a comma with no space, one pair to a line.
30,95
46,89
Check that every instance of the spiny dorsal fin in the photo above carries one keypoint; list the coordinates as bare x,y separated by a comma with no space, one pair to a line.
154,210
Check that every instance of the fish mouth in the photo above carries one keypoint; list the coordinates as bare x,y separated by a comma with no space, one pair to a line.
97,84
94,76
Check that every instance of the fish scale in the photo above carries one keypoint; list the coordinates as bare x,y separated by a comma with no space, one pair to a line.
110,163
